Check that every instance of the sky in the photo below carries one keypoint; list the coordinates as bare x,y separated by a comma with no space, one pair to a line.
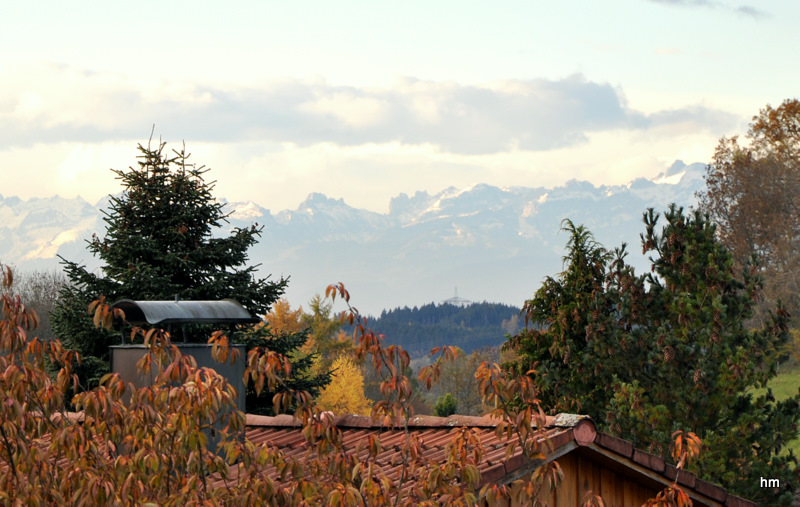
365,100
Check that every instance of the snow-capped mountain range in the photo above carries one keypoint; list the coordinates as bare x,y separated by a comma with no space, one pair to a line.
493,244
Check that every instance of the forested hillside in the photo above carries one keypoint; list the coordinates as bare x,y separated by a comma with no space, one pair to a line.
470,327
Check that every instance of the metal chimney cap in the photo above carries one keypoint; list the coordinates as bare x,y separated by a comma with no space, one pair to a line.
225,311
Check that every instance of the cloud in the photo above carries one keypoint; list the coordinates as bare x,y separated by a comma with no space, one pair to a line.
52,103
747,10
751,11
692,119
703,3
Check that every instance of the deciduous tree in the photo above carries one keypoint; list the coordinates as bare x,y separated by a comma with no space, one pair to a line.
152,446
345,393
753,195
40,290
458,380
282,319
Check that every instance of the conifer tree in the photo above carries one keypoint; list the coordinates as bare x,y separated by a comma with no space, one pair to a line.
570,316
327,338
652,354
162,240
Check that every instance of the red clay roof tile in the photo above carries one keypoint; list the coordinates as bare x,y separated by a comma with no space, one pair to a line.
285,433
651,461
437,432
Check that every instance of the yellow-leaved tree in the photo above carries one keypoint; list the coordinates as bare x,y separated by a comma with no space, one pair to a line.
345,393
282,319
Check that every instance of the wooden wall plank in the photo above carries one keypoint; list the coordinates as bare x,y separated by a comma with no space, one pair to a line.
568,493
597,479
611,487
617,486
630,492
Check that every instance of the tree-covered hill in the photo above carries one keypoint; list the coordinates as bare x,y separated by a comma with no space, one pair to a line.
469,327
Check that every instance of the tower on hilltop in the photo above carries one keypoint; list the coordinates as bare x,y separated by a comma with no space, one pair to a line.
457,301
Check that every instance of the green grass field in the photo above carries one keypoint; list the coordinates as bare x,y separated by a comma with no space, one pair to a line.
783,386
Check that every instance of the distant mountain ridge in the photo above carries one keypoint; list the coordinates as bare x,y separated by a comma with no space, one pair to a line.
496,244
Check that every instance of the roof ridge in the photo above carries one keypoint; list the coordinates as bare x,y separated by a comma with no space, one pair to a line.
562,420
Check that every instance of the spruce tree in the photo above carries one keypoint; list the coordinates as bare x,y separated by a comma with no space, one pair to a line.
648,355
163,240
567,343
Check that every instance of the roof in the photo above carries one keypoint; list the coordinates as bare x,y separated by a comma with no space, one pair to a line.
226,311
565,432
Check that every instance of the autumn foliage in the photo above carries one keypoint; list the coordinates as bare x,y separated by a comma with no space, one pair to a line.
752,188
345,393
154,445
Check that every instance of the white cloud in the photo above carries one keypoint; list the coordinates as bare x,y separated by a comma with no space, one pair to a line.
276,142
368,175
349,108
747,10
59,103
280,175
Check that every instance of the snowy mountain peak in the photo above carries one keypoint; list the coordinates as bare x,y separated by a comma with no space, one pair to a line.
466,201
677,167
404,208
316,200
679,172
245,210
670,180
497,242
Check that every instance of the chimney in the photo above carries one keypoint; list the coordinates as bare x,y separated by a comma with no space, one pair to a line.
165,315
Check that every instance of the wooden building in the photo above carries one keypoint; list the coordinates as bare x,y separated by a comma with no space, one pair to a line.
591,460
